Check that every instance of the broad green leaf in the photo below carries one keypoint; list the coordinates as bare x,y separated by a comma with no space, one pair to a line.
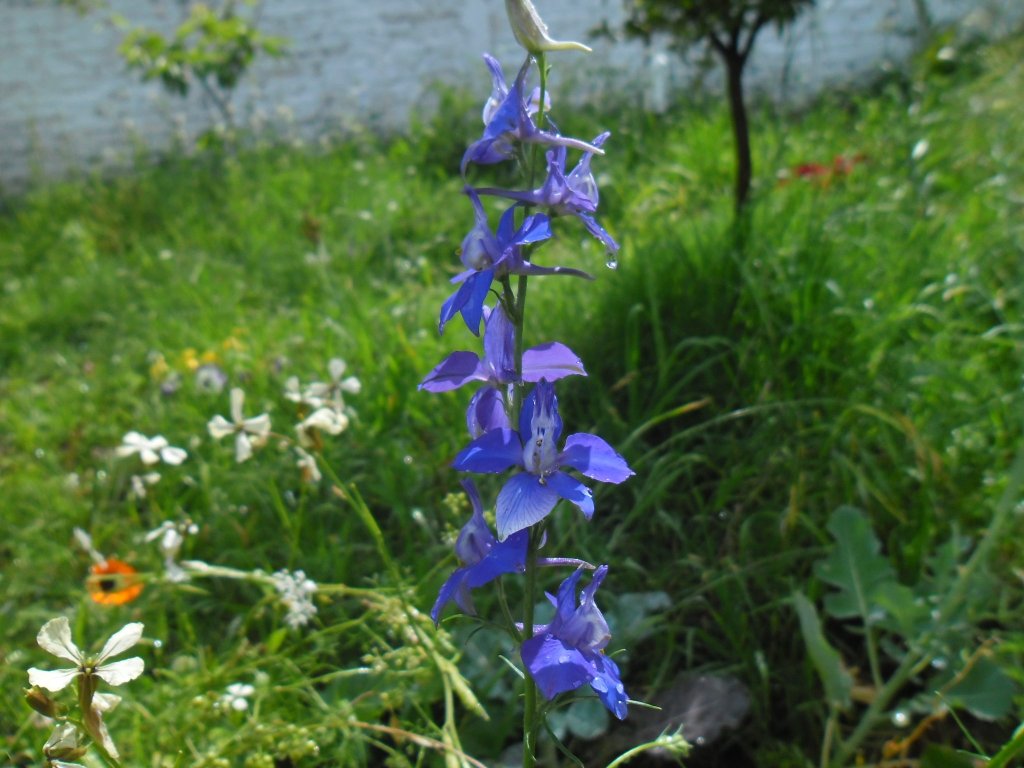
939,756
908,611
587,718
834,677
855,567
986,691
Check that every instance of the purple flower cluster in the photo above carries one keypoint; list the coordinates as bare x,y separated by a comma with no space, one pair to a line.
511,425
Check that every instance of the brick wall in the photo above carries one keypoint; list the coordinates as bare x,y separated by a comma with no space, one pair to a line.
67,102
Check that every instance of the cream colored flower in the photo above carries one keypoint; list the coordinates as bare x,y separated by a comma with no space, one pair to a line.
532,33
55,638
150,449
249,433
307,466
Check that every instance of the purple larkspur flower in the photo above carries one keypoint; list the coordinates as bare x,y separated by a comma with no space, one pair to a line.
496,370
566,194
529,496
569,652
484,558
508,118
499,91
487,255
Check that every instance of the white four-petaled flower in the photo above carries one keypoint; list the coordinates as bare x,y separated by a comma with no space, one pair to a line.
319,394
329,413
249,433
55,637
150,449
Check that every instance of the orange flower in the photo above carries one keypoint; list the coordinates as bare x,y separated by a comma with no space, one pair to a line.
113,582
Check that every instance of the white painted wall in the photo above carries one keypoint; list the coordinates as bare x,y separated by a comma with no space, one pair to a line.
66,100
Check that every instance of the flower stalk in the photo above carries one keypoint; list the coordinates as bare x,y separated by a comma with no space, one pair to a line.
513,419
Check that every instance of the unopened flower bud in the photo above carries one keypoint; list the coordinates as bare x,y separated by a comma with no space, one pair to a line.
42,703
63,743
532,33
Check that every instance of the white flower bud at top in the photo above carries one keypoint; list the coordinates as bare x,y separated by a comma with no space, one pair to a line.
532,33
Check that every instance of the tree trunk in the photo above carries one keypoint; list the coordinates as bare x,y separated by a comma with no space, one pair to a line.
734,63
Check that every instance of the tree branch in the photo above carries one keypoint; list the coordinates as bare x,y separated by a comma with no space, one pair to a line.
748,46
717,43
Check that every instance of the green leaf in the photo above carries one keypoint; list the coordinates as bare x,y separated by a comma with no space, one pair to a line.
276,638
938,756
855,567
986,691
587,718
908,612
834,677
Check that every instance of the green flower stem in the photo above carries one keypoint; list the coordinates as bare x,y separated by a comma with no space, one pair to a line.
90,719
517,636
451,679
671,742
542,66
530,712
1010,750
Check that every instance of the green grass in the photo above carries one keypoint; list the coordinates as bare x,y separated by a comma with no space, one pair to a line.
854,342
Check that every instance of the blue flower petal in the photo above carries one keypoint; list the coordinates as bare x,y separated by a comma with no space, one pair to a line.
551,361
565,601
534,229
486,412
453,304
555,666
593,457
599,232
454,371
508,556
499,347
572,490
607,684
473,308
475,539
492,452
453,589
523,502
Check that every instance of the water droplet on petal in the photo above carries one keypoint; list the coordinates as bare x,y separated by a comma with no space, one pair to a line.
900,719
564,658
613,262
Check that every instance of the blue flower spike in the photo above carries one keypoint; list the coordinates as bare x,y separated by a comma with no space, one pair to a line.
487,255
487,409
529,496
509,118
566,194
569,652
